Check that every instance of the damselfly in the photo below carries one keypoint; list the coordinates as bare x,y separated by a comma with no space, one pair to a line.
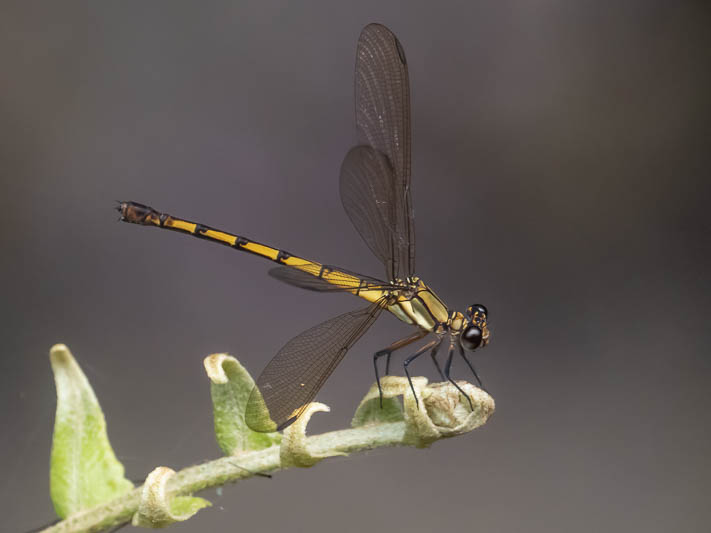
375,191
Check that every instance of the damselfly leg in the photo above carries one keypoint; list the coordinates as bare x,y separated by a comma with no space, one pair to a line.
447,369
434,345
471,367
433,355
388,352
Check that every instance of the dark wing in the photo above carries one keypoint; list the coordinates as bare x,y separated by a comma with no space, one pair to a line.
382,105
367,194
336,282
293,377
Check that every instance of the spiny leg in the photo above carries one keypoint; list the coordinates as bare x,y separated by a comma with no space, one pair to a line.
433,345
447,368
433,355
401,344
389,350
471,367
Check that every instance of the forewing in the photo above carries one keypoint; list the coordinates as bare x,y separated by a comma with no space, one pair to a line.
382,94
293,377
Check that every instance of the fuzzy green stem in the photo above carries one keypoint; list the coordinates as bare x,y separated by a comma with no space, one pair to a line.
231,469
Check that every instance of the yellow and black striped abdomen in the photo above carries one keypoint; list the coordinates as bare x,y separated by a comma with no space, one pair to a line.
136,213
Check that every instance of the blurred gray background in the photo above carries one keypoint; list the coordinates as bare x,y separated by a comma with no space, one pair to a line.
560,176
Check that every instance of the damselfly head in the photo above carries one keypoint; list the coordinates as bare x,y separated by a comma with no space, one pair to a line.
477,310
471,337
476,333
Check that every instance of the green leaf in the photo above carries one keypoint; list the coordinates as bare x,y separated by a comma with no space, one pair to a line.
230,388
370,412
84,471
187,506
158,508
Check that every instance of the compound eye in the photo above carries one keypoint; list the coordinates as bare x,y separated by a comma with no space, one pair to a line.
478,308
471,338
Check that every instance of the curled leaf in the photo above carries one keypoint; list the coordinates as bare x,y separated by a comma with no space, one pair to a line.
440,409
157,508
230,388
294,451
451,413
370,411
421,430
84,471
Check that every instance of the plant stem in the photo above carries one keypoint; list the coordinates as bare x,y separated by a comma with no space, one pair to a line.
231,469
